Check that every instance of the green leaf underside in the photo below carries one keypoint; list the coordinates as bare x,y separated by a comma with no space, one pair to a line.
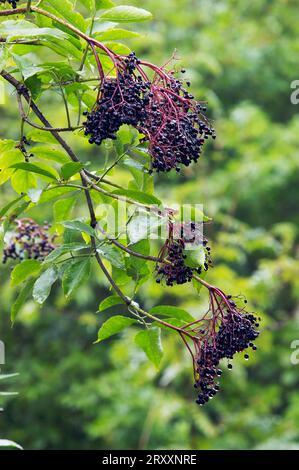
75,274
63,249
42,286
79,226
150,341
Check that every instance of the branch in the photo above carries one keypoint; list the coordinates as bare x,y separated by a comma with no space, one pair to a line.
23,91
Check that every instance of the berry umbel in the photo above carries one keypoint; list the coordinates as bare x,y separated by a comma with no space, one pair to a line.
121,100
28,241
226,329
170,119
173,268
176,127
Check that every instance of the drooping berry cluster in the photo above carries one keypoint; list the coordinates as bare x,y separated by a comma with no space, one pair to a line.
122,100
176,126
172,268
235,333
28,241
172,121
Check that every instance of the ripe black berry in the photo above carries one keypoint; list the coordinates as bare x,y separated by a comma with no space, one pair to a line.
173,269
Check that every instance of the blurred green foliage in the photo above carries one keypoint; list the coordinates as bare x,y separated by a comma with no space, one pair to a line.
241,58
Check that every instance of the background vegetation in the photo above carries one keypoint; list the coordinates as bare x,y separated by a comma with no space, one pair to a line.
241,57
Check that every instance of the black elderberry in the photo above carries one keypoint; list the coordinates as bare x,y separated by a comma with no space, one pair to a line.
234,333
176,128
122,100
173,269
28,241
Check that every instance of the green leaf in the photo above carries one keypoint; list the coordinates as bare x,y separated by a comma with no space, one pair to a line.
171,321
9,205
20,300
126,14
65,9
25,65
137,268
70,169
110,302
138,196
195,258
55,193
42,286
79,226
89,4
22,271
117,47
15,29
170,311
47,153
22,181
63,249
104,4
112,254
62,209
150,341
114,325
76,273
8,157
33,168
116,34
42,136
63,47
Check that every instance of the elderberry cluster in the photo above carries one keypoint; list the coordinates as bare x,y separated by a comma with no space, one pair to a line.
173,268
122,101
171,120
176,130
236,333
28,241
175,271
